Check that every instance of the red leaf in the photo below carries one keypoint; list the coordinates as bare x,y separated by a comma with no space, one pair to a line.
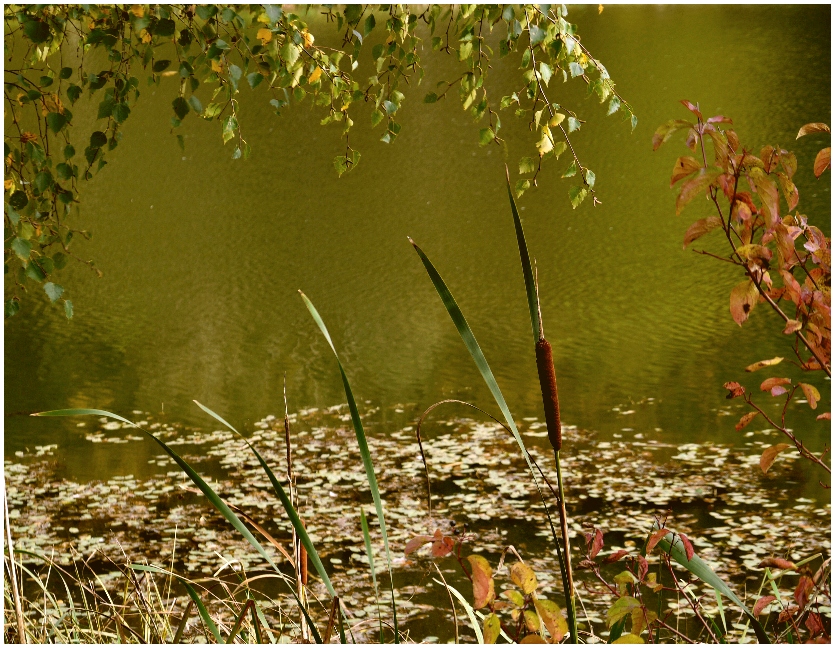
483,588
822,161
790,192
814,624
695,186
442,546
771,383
777,563
770,454
743,299
597,543
614,557
812,394
761,604
745,420
826,416
416,543
808,129
719,119
688,547
735,390
643,567
691,108
665,131
684,166
700,228
802,591
655,538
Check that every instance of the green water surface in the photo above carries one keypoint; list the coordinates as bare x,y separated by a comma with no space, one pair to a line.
202,256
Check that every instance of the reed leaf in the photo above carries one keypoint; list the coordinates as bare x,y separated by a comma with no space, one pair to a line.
210,494
701,570
530,283
370,553
364,452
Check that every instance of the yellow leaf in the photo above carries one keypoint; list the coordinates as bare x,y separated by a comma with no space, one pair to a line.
483,588
308,39
599,9
314,76
763,363
546,143
216,66
628,638
264,35
146,37
523,577
8,184
770,455
492,628
556,120
169,73
137,10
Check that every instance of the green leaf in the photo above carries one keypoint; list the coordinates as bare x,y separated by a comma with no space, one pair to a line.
370,23
97,139
376,117
55,121
364,452
19,200
545,72
590,178
121,111
12,307
614,106
537,35
575,69
485,136
527,165
195,104
160,66
43,181
430,98
254,78
577,195
181,107
73,93
230,125
571,170
68,308
34,271
36,31
700,569
21,248
465,51
573,124
53,291
65,73
370,553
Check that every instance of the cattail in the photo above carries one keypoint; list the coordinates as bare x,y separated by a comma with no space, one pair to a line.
548,385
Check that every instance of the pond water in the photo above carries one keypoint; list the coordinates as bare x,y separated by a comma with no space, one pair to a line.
202,256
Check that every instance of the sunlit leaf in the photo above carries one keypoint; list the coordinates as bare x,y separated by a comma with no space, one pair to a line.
808,129
764,363
792,326
620,608
822,161
770,383
483,586
770,454
777,563
744,297
552,617
523,577
628,638
762,603
811,392
683,167
492,628
745,420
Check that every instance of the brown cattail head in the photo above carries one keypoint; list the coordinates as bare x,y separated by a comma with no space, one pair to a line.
548,385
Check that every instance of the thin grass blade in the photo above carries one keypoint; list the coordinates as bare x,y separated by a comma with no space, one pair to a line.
364,452
701,570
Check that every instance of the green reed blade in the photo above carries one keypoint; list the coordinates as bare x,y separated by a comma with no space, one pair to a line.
701,570
213,497
370,553
364,452
530,284
285,501
474,349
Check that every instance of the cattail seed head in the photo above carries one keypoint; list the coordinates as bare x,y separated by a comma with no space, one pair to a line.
548,385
